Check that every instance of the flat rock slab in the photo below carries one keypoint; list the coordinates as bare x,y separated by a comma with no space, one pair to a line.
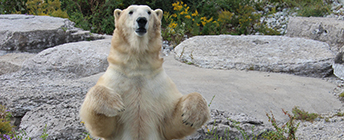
252,92
328,30
260,53
35,33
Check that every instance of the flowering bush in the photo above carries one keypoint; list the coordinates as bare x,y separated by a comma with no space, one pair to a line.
244,20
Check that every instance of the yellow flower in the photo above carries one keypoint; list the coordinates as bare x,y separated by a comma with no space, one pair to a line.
182,13
211,19
193,19
188,16
174,15
172,25
197,24
187,9
195,14
203,23
204,18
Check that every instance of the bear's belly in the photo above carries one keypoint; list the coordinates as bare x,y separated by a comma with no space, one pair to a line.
146,106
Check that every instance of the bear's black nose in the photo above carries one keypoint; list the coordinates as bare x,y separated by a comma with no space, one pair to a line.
142,22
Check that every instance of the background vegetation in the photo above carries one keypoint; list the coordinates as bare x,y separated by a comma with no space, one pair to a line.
187,17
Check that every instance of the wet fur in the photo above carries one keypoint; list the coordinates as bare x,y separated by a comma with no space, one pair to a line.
135,99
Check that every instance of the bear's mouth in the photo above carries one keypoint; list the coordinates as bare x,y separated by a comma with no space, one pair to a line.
141,31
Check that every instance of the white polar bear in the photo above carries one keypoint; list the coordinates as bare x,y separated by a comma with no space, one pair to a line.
135,99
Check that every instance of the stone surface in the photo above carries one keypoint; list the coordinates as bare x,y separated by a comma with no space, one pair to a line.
49,89
13,62
338,65
230,126
74,59
35,33
328,30
262,53
48,92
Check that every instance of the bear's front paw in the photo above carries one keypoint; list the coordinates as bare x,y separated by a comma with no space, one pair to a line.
105,101
112,106
195,111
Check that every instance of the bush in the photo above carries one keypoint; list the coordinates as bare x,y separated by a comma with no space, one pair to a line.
11,6
243,19
47,8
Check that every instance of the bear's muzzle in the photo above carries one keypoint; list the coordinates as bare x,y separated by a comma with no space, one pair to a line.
141,21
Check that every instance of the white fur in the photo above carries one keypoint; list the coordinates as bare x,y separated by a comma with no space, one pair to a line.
135,99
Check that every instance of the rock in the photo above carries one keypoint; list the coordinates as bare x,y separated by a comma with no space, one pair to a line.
12,62
50,88
73,59
328,30
35,33
338,65
262,53
230,126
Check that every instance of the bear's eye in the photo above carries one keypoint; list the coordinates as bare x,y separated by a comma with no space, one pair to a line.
149,12
131,12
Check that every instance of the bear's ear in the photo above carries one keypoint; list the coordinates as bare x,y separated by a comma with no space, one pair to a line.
117,13
159,13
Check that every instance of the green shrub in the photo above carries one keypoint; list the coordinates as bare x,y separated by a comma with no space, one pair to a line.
95,16
11,6
48,8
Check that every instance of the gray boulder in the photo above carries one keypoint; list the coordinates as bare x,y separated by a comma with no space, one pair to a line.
329,30
34,33
338,65
261,53
50,88
75,60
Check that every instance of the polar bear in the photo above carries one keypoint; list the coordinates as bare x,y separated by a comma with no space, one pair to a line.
135,99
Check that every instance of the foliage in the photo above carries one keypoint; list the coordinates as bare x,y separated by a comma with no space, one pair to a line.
47,8
285,132
303,115
94,15
341,95
306,8
10,6
6,128
223,19
5,119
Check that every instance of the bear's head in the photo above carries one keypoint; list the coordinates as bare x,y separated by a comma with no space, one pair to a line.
138,19
139,27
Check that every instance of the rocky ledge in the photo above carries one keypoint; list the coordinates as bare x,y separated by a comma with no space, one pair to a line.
262,53
35,33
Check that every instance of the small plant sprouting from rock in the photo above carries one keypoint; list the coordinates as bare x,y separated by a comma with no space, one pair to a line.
44,135
304,115
341,95
285,132
6,128
5,120
211,101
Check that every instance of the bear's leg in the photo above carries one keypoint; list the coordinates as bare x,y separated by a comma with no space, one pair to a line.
190,113
99,111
